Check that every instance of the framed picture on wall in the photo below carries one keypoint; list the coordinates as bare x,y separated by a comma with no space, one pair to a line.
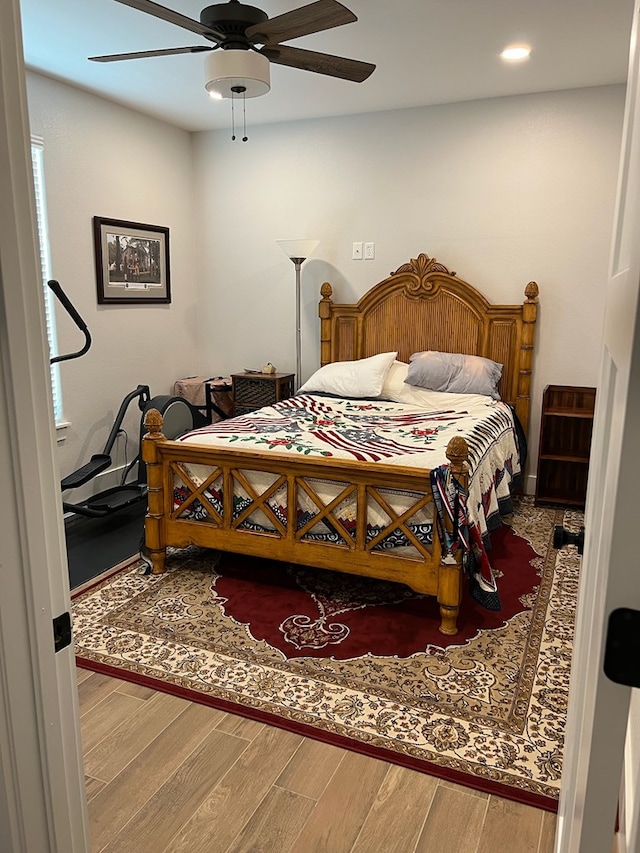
132,262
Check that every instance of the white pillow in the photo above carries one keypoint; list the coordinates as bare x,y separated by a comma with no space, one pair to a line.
394,380
363,378
396,389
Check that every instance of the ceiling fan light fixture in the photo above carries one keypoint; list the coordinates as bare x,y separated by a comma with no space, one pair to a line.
228,72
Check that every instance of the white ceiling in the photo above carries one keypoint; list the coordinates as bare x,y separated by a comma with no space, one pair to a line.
426,52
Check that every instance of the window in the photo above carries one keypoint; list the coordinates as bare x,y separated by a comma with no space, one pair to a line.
45,268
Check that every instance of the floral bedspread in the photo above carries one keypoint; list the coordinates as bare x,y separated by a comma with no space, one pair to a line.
394,433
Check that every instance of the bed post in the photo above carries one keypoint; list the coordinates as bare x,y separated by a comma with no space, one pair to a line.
450,573
153,527
324,312
529,317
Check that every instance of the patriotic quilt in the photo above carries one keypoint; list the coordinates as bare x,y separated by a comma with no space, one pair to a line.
372,431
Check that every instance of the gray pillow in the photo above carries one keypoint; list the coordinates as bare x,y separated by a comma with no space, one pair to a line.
454,372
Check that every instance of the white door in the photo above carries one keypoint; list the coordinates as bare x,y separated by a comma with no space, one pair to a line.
599,709
42,805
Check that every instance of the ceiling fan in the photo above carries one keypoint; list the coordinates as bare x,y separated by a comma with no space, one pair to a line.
235,26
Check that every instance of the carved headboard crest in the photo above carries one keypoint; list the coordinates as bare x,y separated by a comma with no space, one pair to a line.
421,267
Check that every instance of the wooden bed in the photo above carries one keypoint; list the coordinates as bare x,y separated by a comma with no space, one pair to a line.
420,306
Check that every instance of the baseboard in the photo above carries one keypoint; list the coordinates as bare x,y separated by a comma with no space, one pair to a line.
530,484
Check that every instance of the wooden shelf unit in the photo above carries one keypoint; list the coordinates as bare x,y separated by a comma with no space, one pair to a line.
565,444
253,390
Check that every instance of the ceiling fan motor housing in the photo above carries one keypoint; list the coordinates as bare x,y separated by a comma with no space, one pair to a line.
231,20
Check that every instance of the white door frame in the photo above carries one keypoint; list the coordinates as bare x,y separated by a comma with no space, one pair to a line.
598,712
42,799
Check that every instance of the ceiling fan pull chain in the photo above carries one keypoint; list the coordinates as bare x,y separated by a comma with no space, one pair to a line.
233,115
244,117
238,90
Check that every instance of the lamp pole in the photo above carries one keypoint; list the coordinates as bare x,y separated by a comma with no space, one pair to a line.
298,251
298,263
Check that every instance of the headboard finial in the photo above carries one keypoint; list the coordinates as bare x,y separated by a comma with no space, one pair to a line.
531,291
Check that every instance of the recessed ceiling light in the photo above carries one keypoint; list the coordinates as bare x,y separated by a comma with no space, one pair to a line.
516,52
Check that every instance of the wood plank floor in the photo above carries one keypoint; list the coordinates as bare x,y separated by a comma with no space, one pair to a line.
165,775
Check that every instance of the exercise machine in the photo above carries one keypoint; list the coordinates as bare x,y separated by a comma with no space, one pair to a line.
179,416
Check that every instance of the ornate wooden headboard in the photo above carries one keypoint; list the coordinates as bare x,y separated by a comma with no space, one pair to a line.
425,306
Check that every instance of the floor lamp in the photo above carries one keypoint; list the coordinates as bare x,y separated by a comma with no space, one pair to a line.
298,251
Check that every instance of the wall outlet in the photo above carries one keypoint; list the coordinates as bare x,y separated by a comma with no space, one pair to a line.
357,252
369,251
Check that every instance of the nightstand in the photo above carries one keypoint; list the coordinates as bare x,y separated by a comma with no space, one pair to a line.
565,445
253,390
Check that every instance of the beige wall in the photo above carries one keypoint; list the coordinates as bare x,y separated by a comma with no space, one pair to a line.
502,191
102,159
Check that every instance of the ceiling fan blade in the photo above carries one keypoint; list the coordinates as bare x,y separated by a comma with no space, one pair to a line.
143,54
172,17
314,18
320,63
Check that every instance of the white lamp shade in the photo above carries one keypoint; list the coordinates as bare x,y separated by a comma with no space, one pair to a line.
297,248
225,69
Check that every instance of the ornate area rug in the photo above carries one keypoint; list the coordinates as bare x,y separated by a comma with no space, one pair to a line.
359,662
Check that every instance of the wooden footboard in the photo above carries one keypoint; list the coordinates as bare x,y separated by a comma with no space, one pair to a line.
370,487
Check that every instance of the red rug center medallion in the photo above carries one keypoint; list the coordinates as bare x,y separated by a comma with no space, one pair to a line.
314,613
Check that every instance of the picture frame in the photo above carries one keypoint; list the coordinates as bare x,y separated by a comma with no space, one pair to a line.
132,262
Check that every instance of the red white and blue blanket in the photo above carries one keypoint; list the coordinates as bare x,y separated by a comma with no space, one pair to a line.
397,434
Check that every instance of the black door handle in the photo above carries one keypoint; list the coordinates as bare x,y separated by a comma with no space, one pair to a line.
562,537
622,648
